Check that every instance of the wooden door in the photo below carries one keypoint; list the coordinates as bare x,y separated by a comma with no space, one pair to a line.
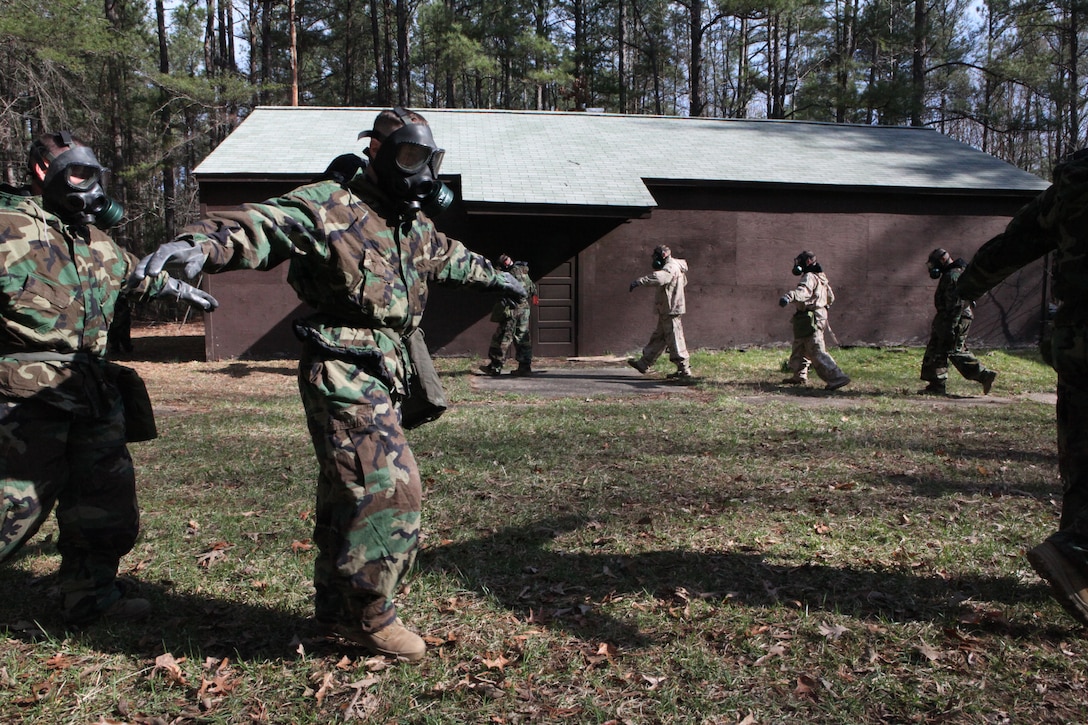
553,324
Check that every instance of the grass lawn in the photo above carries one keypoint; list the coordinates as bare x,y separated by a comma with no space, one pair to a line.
737,552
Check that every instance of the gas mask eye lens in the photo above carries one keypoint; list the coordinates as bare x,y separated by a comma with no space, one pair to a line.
411,158
81,176
436,160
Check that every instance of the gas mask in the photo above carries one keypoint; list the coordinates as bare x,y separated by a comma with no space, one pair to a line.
74,188
801,265
661,255
407,165
936,264
506,263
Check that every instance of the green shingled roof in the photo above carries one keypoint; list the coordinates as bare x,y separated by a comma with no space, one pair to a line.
525,157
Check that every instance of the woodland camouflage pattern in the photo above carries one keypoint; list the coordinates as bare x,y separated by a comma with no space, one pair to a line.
62,432
1055,221
367,279
513,318
948,332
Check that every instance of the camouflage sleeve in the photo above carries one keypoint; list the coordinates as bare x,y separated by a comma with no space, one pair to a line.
258,236
1034,231
660,278
454,263
144,287
805,289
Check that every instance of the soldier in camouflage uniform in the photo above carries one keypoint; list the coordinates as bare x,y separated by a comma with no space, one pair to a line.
62,419
1055,222
513,318
670,276
811,298
361,253
948,333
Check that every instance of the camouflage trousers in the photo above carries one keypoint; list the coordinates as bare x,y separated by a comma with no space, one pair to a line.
668,335
81,465
948,343
810,351
513,330
1070,351
369,493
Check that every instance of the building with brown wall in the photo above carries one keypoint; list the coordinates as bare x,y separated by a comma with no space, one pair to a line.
584,198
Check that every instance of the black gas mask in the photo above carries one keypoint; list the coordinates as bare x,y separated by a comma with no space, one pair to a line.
936,264
661,255
407,167
802,263
74,188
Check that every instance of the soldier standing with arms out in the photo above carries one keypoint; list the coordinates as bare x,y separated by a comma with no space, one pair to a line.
513,318
62,417
670,276
811,298
361,252
1055,222
948,334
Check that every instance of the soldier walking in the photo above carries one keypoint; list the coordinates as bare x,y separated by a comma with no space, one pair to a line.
811,298
513,317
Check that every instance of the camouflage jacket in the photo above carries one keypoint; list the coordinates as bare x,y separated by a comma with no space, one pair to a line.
506,308
670,281
59,285
1055,221
946,297
364,273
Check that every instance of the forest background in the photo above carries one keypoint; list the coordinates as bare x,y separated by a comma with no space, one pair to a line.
154,86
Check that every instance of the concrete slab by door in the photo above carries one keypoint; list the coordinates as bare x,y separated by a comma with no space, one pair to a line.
554,320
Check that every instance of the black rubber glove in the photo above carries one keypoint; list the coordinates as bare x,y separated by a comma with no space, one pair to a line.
185,292
783,300
187,254
510,287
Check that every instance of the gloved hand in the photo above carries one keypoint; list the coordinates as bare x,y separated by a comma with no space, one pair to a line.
187,293
183,253
510,287
633,285
783,300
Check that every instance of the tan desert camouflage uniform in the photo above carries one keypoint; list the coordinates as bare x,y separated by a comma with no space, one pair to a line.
670,304
1055,221
62,431
368,280
811,298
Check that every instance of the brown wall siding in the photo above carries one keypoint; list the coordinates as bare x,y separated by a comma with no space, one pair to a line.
739,266
739,245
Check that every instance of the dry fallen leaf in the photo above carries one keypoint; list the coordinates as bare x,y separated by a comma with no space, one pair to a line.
170,667
218,551
832,631
498,663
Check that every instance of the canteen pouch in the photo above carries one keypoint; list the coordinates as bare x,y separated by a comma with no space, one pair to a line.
139,415
426,400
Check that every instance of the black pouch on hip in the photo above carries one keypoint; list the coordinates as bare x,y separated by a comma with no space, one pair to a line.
139,415
426,400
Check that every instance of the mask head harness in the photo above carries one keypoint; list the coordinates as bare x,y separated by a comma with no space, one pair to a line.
805,262
938,261
74,187
407,165
661,255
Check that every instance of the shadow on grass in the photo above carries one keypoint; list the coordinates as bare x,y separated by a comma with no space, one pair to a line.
195,626
518,569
